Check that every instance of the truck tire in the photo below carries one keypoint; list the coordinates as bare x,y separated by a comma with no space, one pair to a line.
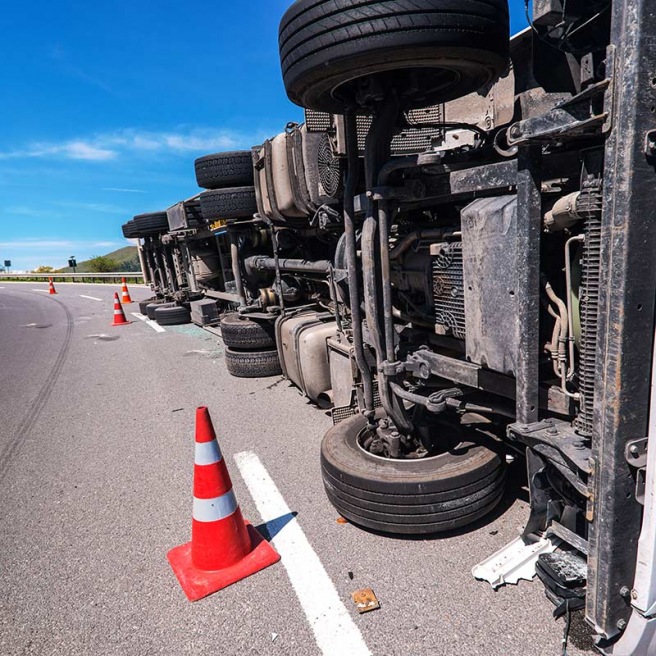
151,307
409,497
147,225
457,46
220,170
234,203
143,305
129,230
242,333
252,364
172,315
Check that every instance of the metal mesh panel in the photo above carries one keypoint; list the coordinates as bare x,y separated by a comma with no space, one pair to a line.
340,414
448,290
415,139
317,121
344,412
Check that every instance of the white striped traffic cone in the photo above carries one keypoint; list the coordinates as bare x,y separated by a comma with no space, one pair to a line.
119,315
125,294
224,548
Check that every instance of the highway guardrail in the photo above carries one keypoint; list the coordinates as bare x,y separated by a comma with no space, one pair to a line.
134,277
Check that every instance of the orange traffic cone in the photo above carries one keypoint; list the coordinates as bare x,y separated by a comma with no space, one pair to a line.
51,287
119,315
125,294
224,548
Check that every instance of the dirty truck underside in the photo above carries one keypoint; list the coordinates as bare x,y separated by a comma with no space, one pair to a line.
455,253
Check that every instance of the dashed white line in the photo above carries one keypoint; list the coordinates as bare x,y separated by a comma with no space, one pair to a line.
91,298
153,324
334,630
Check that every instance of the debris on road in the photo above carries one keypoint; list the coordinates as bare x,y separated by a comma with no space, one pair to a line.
365,600
517,560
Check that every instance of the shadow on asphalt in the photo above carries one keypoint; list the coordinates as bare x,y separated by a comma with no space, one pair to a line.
269,530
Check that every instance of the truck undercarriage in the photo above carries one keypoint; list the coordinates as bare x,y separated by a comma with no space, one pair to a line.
455,252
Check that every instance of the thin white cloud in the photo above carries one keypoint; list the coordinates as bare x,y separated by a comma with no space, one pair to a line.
121,190
24,210
109,146
103,208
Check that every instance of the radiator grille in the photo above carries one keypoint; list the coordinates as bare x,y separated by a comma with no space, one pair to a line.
344,412
448,291
589,206
340,414
411,140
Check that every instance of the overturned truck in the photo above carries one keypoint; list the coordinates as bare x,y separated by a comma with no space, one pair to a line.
454,252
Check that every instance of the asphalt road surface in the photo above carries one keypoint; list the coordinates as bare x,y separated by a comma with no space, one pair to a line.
96,459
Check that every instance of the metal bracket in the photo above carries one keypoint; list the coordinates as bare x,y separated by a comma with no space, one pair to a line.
635,452
576,117
392,368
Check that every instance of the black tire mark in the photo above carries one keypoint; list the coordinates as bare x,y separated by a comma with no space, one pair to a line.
38,404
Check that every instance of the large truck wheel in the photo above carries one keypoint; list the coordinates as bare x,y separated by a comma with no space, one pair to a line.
412,497
234,203
143,305
242,333
437,50
130,230
151,307
153,223
172,315
252,364
220,170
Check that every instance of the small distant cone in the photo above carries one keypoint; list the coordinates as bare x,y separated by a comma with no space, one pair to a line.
119,315
51,287
125,294
224,548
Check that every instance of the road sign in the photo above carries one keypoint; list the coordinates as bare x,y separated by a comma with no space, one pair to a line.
72,263
7,263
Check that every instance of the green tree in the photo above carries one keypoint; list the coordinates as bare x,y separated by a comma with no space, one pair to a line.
43,269
102,264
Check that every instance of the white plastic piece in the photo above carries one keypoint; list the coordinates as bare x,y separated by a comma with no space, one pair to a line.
515,561
644,587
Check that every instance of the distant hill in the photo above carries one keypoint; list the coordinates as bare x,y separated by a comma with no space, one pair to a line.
127,259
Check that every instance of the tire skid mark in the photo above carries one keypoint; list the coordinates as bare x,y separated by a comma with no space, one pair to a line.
25,427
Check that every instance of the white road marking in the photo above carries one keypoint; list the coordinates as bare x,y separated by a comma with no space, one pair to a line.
91,298
47,291
153,324
334,630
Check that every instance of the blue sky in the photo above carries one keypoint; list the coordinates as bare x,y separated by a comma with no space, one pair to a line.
105,106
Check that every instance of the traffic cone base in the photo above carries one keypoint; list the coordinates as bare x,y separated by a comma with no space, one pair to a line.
197,583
